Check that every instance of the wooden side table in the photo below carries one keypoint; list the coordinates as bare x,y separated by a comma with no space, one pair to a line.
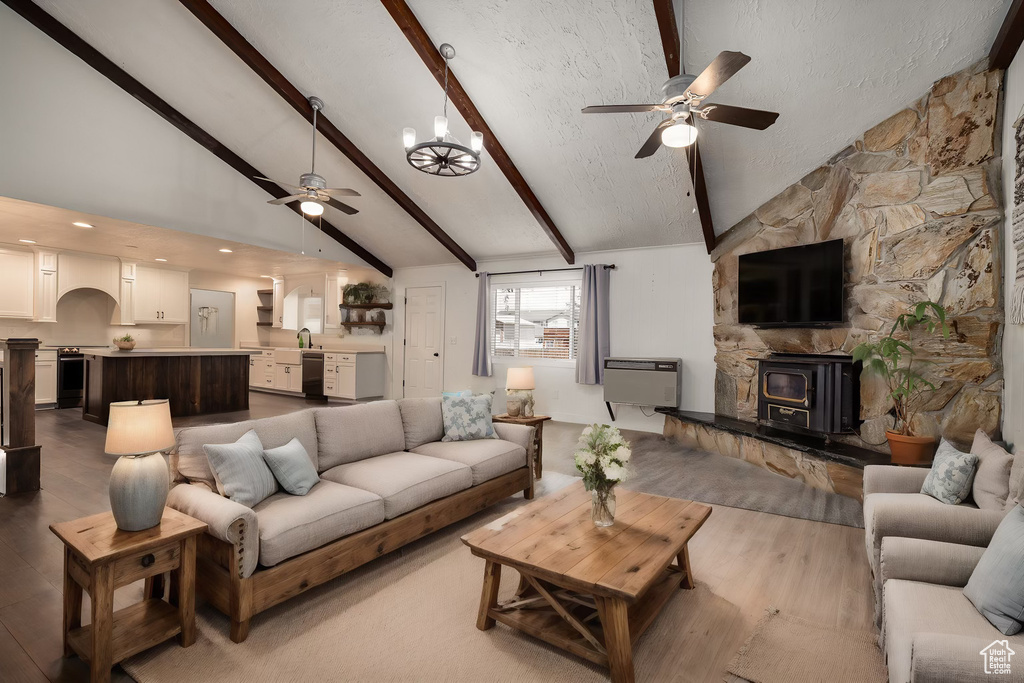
100,558
537,422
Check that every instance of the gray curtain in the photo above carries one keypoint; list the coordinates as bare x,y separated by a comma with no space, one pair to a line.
593,345
481,350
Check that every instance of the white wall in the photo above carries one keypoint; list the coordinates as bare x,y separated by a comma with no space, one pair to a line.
661,305
1013,335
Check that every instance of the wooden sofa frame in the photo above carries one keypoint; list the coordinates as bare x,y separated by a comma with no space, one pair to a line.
218,562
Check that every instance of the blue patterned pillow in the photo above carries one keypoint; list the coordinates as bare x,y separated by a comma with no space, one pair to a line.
951,475
467,418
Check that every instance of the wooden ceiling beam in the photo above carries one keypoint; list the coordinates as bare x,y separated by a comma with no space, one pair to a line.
428,52
1009,38
262,67
669,30
70,41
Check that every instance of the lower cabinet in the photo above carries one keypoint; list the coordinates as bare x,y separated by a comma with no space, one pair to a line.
354,375
287,377
46,377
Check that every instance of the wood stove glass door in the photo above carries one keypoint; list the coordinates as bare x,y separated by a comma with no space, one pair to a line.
788,386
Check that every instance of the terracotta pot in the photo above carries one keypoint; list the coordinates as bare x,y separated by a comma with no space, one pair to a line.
910,450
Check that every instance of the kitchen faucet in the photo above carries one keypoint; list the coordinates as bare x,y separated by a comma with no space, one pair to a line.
309,334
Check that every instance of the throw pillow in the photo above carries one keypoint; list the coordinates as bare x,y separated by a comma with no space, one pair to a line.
951,475
992,480
241,473
292,467
996,587
467,418
1016,482
464,392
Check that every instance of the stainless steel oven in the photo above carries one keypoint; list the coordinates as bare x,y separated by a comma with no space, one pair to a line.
70,377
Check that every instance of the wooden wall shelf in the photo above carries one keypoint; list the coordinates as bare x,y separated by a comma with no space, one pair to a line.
366,307
264,324
265,292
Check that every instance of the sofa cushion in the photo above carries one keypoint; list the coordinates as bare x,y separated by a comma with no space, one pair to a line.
188,460
351,433
996,587
292,468
1016,495
291,525
405,481
488,458
951,476
240,471
913,608
991,485
421,420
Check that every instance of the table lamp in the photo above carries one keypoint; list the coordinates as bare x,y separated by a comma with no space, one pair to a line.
520,381
138,431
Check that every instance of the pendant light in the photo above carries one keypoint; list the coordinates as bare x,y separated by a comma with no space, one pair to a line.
443,155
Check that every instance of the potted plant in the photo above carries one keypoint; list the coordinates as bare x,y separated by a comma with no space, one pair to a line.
125,343
894,360
602,456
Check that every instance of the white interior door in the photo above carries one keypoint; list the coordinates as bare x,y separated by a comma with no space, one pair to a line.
424,334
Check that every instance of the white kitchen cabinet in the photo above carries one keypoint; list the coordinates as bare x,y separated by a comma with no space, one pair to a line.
127,307
17,274
46,377
46,296
354,375
257,375
161,296
85,271
288,377
278,304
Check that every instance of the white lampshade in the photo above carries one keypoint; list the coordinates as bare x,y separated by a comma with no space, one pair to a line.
408,137
312,208
139,427
440,127
519,379
679,135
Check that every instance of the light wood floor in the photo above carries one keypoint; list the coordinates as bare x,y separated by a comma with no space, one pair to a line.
749,560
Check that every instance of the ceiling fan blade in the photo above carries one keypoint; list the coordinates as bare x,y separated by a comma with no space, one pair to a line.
622,108
724,67
287,186
345,208
288,200
653,142
700,195
738,116
340,192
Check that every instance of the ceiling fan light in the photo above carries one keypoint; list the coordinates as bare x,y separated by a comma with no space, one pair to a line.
679,135
440,127
408,137
311,208
476,141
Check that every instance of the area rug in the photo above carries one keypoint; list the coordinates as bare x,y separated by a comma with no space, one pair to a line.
667,468
784,649
408,616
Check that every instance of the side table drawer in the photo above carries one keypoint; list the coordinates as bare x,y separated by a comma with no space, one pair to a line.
145,564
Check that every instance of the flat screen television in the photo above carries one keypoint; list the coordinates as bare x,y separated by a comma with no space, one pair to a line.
792,287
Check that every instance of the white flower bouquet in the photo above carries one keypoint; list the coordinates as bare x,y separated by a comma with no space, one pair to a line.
602,457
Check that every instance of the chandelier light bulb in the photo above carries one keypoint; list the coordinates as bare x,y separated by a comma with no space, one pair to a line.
440,127
679,135
312,208
476,141
408,137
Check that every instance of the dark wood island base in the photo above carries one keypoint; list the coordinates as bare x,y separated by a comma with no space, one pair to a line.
195,381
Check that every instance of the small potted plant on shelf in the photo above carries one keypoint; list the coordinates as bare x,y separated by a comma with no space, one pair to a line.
893,358
125,343
602,457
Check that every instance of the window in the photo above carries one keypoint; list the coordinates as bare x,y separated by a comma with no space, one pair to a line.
535,320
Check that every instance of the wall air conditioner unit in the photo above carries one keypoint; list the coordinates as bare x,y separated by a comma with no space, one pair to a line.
653,382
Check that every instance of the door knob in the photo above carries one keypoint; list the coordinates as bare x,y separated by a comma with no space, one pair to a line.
436,355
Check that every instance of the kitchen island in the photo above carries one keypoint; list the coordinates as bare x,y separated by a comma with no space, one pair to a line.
196,381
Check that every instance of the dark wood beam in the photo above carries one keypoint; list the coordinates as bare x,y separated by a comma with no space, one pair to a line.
1009,38
252,57
669,30
430,55
67,39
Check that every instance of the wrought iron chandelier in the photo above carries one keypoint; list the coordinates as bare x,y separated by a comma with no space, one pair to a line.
443,155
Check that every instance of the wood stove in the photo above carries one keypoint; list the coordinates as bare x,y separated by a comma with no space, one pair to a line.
808,393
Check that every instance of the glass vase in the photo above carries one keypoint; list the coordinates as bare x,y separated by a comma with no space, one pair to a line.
602,507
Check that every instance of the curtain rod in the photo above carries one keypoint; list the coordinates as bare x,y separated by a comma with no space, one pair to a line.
543,270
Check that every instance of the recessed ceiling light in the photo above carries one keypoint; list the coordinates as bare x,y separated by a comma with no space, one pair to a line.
268,276
225,251
80,224
28,241
161,260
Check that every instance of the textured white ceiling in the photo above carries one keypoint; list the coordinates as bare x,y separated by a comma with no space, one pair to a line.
831,68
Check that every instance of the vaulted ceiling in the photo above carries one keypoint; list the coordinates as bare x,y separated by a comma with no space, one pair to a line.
831,68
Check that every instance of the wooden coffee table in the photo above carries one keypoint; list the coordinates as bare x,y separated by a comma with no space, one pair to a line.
592,591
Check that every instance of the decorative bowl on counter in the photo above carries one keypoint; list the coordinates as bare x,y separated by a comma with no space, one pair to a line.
124,345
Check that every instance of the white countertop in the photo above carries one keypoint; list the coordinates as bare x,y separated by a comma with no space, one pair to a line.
167,351
353,350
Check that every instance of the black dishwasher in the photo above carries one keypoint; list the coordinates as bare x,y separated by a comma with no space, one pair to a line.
313,374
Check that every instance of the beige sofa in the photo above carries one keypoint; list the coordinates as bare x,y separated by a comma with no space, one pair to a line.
386,480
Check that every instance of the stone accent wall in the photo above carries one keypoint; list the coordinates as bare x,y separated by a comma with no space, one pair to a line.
916,201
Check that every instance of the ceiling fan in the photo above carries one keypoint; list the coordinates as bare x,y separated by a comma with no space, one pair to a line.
683,99
312,189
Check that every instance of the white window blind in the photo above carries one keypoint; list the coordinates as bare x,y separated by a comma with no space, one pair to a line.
535,320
